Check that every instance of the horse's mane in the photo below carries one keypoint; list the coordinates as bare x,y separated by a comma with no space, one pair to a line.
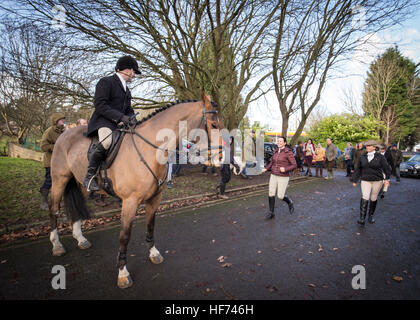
169,105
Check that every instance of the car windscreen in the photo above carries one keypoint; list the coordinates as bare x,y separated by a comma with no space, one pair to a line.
416,157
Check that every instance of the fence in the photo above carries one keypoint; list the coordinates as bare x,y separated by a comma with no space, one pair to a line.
16,151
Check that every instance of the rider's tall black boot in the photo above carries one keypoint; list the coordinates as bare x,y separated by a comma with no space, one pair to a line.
94,161
270,213
363,208
290,204
372,208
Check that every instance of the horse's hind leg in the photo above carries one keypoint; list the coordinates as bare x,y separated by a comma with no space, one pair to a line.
151,207
128,213
57,190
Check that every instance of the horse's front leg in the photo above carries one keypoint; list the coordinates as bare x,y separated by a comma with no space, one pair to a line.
128,213
151,207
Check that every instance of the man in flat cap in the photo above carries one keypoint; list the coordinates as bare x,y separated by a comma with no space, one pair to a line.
112,108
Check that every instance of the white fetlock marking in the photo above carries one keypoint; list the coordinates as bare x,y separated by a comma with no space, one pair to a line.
57,213
54,239
77,232
154,252
122,273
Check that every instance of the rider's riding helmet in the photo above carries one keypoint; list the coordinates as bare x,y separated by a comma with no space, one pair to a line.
127,62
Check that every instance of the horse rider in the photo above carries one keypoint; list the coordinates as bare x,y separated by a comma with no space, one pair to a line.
112,109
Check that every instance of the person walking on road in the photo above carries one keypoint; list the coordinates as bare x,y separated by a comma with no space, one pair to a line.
397,158
330,157
320,158
348,158
371,169
299,157
360,149
48,140
282,163
309,151
228,149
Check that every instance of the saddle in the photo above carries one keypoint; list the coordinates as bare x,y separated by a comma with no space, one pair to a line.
104,181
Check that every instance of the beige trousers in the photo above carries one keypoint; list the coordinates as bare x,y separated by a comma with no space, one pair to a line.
105,137
277,184
370,189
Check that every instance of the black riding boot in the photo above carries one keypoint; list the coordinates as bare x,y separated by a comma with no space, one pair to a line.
372,208
290,203
271,202
44,199
363,208
94,161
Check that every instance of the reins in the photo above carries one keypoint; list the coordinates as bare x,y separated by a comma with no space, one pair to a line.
131,130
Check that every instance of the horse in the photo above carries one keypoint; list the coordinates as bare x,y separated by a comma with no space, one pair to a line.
137,174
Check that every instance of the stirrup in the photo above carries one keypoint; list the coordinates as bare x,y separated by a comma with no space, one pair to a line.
89,184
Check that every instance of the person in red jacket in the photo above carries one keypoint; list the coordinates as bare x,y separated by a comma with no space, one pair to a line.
282,163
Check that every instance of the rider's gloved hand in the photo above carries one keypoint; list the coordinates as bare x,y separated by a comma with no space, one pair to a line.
128,121
125,120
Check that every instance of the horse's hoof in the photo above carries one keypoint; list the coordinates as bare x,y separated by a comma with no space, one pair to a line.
124,282
156,259
58,251
84,245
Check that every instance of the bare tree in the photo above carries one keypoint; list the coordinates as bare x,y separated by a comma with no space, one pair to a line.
167,38
350,101
37,78
383,77
313,37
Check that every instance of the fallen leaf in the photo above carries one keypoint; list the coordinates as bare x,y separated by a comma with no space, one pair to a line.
208,290
311,285
299,260
259,252
397,278
335,249
226,265
343,272
312,234
3,261
310,252
272,288
221,259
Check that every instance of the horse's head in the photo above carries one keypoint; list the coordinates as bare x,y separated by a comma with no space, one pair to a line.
211,147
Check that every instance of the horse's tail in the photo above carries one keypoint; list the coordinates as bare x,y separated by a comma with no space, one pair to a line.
75,202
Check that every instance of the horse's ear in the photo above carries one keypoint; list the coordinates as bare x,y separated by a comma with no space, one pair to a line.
207,100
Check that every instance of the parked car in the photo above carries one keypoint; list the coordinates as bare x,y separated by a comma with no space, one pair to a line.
411,167
269,149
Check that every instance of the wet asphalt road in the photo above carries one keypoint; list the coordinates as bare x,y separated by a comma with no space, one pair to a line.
289,257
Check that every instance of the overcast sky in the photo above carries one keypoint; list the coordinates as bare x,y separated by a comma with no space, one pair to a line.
405,36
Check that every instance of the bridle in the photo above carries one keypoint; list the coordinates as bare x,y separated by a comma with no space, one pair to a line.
205,120
160,182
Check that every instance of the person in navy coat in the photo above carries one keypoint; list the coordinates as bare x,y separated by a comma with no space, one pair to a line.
112,109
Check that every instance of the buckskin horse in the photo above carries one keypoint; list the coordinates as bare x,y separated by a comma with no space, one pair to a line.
136,174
